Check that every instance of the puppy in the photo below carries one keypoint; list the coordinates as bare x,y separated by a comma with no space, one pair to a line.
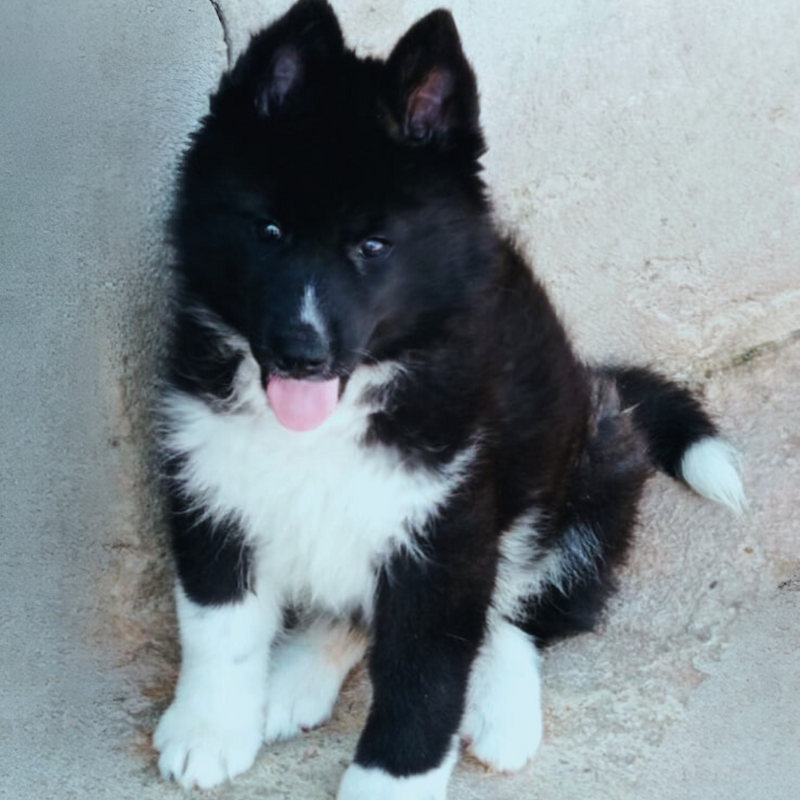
376,434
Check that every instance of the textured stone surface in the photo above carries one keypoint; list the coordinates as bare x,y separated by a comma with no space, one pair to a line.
739,737
647,156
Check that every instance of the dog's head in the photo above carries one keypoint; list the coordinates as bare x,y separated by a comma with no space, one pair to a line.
330,207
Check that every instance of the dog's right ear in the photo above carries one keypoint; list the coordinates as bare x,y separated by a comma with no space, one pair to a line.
288,62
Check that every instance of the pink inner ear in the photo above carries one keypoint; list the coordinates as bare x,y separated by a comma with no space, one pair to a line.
426,106
284,72
283,75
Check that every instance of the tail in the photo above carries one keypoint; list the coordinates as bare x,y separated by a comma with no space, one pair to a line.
682,440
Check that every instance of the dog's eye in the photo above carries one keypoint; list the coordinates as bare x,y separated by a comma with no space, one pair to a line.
375,247
268,230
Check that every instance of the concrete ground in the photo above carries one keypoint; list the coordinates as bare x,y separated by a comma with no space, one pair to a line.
649,156
690,690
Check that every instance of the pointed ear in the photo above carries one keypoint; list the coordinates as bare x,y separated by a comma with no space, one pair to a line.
291,60
429,84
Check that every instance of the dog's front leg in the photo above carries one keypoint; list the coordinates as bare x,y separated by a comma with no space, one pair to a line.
429,623
213,729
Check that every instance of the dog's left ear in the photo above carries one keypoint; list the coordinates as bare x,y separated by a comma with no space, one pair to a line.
429,85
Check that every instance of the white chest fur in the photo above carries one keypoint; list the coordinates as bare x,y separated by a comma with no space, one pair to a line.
321,509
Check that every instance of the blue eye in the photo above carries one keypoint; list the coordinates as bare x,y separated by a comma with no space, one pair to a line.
375,247
269,231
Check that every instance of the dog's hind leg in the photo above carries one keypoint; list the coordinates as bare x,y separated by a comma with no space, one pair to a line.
307,670
502,724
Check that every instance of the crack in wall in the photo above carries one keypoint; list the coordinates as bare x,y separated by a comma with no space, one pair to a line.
755,352
224,25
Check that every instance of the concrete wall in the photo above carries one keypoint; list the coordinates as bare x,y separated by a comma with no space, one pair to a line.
647,154
96,99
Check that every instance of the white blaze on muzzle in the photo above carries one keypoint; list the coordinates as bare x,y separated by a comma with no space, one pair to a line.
311,313
303,405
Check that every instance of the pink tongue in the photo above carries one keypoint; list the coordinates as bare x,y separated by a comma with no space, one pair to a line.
302,405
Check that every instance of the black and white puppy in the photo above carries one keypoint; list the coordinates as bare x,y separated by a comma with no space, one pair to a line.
377,437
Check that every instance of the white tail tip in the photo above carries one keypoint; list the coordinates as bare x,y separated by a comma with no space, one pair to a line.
710,468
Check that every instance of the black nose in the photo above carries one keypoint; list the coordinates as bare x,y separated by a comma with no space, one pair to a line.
300,350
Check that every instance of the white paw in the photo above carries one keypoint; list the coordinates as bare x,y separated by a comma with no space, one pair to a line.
306,674
200,752
503,720
504,745
373,783
295,705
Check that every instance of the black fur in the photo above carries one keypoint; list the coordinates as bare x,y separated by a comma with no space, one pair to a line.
331,150
212,560
672,418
